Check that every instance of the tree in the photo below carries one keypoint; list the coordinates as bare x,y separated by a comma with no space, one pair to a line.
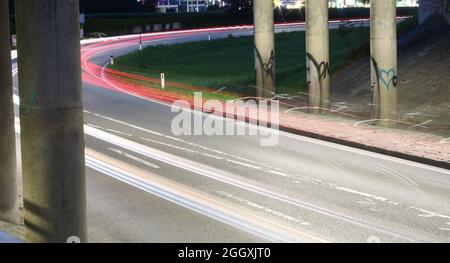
11,6
364,1
241,6
117,6
150,5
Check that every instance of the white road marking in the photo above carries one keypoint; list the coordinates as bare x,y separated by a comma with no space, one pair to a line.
393,203
247,165
279,173
263,208
446,228
135,158
119,132
170,145
367,201
95,126
110,130
429,214
382,199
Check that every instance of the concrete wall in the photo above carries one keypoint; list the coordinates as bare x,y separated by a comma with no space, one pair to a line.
429,8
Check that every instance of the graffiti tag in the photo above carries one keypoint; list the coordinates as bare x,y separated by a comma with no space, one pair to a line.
268,67
323,68
31,101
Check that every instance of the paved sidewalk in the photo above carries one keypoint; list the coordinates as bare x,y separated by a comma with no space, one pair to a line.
423,84
416,146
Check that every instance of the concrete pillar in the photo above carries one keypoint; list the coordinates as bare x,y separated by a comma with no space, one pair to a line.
263,12
9,210
383,40
317,54
51,114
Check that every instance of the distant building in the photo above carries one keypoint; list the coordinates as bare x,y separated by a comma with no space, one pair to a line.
297,4
165,6
408,3
356,3
292,4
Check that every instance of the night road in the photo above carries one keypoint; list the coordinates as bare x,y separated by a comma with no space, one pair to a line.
144,184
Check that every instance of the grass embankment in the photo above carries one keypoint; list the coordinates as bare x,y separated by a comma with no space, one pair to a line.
230,62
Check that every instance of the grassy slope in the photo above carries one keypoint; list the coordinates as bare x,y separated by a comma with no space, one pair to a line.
229,62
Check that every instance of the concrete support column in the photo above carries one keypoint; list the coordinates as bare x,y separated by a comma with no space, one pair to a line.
9,210
383,40
318,54
51,115
263,12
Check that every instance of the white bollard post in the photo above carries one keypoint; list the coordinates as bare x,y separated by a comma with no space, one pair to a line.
163,81
112,60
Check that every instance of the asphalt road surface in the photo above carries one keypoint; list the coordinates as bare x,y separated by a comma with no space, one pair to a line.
147,185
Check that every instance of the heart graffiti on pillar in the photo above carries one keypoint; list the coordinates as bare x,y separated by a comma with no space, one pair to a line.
388,76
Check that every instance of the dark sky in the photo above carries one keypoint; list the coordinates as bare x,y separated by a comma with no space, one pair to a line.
104,6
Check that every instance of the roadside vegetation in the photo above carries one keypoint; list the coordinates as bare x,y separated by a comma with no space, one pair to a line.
228,64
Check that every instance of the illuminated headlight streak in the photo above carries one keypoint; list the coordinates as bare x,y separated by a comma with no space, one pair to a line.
217,214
